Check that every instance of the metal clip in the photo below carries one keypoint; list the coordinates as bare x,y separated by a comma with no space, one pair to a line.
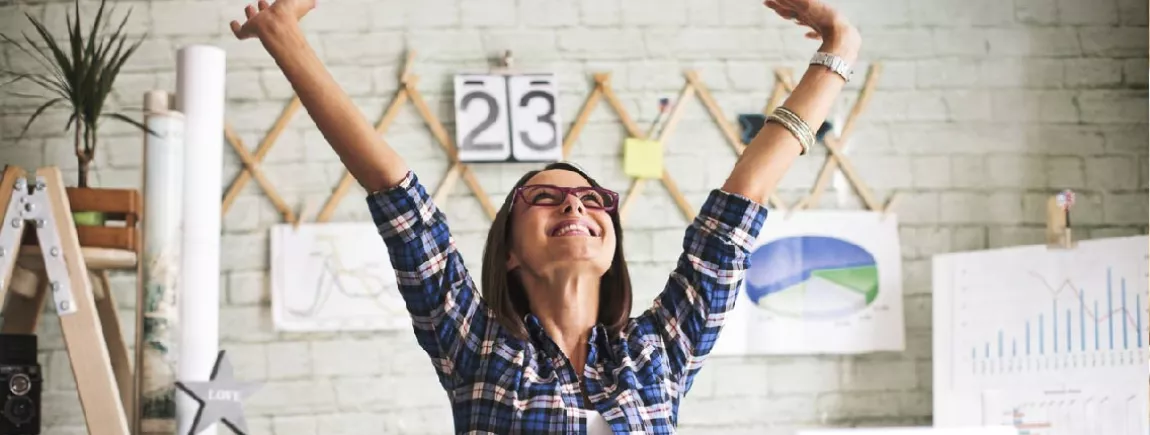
35,206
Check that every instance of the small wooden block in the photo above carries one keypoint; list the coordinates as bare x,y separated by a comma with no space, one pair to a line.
32,258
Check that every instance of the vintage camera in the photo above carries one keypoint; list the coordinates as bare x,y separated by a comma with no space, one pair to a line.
22,382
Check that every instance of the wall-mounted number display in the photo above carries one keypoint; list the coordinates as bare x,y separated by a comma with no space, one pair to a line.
500,118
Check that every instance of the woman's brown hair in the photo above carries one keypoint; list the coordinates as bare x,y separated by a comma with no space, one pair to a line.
504,292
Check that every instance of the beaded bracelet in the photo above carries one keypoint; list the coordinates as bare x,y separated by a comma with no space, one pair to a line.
795,125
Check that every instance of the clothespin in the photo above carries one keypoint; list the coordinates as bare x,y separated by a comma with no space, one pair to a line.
789,212
504,64
507,60
1058,232
890,205
405,75
308,205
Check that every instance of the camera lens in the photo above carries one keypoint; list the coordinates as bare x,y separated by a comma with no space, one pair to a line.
19,384
19,409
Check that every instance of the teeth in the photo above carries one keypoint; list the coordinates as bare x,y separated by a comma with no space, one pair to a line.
572,228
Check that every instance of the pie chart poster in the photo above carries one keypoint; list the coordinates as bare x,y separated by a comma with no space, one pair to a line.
820,282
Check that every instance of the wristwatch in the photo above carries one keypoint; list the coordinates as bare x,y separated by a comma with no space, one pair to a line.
835,63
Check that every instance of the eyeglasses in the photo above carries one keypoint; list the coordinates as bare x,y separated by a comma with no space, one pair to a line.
595,198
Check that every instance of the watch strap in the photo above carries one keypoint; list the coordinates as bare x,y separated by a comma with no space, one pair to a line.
834,63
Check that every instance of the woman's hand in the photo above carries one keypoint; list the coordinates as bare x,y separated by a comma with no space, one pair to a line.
839,36
361,149
262,17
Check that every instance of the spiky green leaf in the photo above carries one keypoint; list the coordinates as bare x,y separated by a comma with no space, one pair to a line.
129,120
71,120
48,84
36,55
95,24
41,56
50,41
76,42
37,113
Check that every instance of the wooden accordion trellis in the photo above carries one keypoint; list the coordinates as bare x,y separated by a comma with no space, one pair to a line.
693,87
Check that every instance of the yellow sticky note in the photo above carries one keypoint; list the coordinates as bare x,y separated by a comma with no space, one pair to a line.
643,158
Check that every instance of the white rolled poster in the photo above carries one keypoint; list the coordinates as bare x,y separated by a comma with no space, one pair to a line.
200,97
160,266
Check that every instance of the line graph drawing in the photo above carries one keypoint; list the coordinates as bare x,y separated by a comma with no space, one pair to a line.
328,277
1072,333
366,285
1131,319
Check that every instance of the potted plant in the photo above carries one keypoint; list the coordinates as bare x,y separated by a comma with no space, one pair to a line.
78,75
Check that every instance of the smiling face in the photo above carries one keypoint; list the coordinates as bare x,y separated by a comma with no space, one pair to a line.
560,231
541,234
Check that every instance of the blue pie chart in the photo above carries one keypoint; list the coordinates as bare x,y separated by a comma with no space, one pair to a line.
813,277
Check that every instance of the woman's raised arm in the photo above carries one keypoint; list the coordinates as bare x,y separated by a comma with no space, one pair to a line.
771,152
692,308
367,157
449,318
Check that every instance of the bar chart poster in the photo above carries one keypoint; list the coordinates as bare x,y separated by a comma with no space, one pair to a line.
1051,341
820,282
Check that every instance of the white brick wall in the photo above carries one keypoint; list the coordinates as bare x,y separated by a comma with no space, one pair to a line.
985,108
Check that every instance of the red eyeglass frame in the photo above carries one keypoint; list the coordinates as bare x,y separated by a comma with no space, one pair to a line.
567,191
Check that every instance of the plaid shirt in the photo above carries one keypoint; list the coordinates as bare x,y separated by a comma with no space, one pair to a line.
500,384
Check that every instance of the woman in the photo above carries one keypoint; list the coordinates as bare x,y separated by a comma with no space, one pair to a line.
549,346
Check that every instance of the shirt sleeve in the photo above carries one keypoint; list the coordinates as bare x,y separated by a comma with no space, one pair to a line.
448,315
703,287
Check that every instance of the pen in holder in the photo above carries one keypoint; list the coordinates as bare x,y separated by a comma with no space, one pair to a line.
656,125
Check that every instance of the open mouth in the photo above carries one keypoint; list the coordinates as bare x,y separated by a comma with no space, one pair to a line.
574,228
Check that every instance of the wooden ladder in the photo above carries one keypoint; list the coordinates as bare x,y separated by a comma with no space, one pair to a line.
95,345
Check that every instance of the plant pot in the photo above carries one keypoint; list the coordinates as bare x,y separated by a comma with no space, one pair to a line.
104,218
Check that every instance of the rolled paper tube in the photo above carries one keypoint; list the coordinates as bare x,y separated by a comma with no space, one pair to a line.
160,265
200,96
156,102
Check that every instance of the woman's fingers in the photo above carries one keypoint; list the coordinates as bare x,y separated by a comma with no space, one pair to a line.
792,4
788,13
242,30
783,11
780,8
236,29
805,9
802,5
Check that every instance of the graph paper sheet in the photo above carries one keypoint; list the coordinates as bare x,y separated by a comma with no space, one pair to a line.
1053,342
333,277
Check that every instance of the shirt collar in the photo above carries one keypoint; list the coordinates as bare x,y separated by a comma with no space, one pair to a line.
597,341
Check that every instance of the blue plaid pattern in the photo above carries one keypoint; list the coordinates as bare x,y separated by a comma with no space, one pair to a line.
500,384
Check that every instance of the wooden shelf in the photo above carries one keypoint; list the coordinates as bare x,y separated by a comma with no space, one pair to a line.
31,258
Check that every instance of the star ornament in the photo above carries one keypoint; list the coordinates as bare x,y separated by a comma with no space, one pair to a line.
221,398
